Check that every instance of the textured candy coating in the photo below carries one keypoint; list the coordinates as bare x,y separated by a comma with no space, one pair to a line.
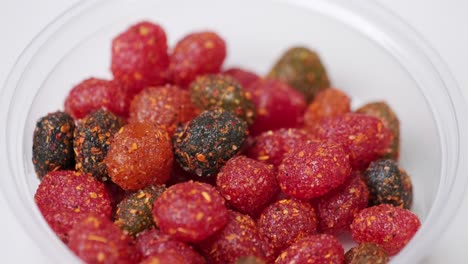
53,143
328,103
140,155
91,142
337,209
135,212
247,185
366,254
385,113
271,146
139,57
242,76
190,211
313,169
313,249
250,260
364,137
169,257
167,106
302,69
277,105
385,225
285,222
388,184
196,54
95,239
238,238
214,91
204,145
65,196
93,94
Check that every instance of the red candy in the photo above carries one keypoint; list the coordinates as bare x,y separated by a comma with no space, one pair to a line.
196,54
278,105
328,103
365,137
388,226
314,249
139,57
93,94
337,209
247,185
286,222
190,211
167,257
271,146
313,169
95,239
63,197
239,238
244,77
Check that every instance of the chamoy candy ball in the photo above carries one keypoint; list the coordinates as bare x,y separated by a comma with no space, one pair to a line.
302,69
366,253
63,197
277,105
328,103
205,144
213,91
313,170
285,222
53,143
139,57
91,142
135,212
93,94
247,185
385,113
242,76
190,211
313,249
385,225
196,54
140,155
169,257
95,239
389,184
238,238
365,137
167,106
337,209
271,146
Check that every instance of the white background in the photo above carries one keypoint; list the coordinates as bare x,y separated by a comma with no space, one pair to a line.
444,23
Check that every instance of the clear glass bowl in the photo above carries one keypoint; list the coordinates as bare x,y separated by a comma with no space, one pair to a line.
368,52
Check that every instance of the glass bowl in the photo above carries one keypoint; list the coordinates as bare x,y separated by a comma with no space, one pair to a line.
369,53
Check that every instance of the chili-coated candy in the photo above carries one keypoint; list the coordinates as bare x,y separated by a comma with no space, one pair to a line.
140,155
196,54
385,113
277,105
322,248
167,257
242,76
53,143
190,211
214,91
247,185
167,106
63,197
302,69
285,222
139,57
313,169
95,239
92,138
366,253
385,225
328,103
205,144
337,209
250,260
389,184
365,137
135,212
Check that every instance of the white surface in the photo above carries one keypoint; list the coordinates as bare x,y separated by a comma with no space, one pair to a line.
442,23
